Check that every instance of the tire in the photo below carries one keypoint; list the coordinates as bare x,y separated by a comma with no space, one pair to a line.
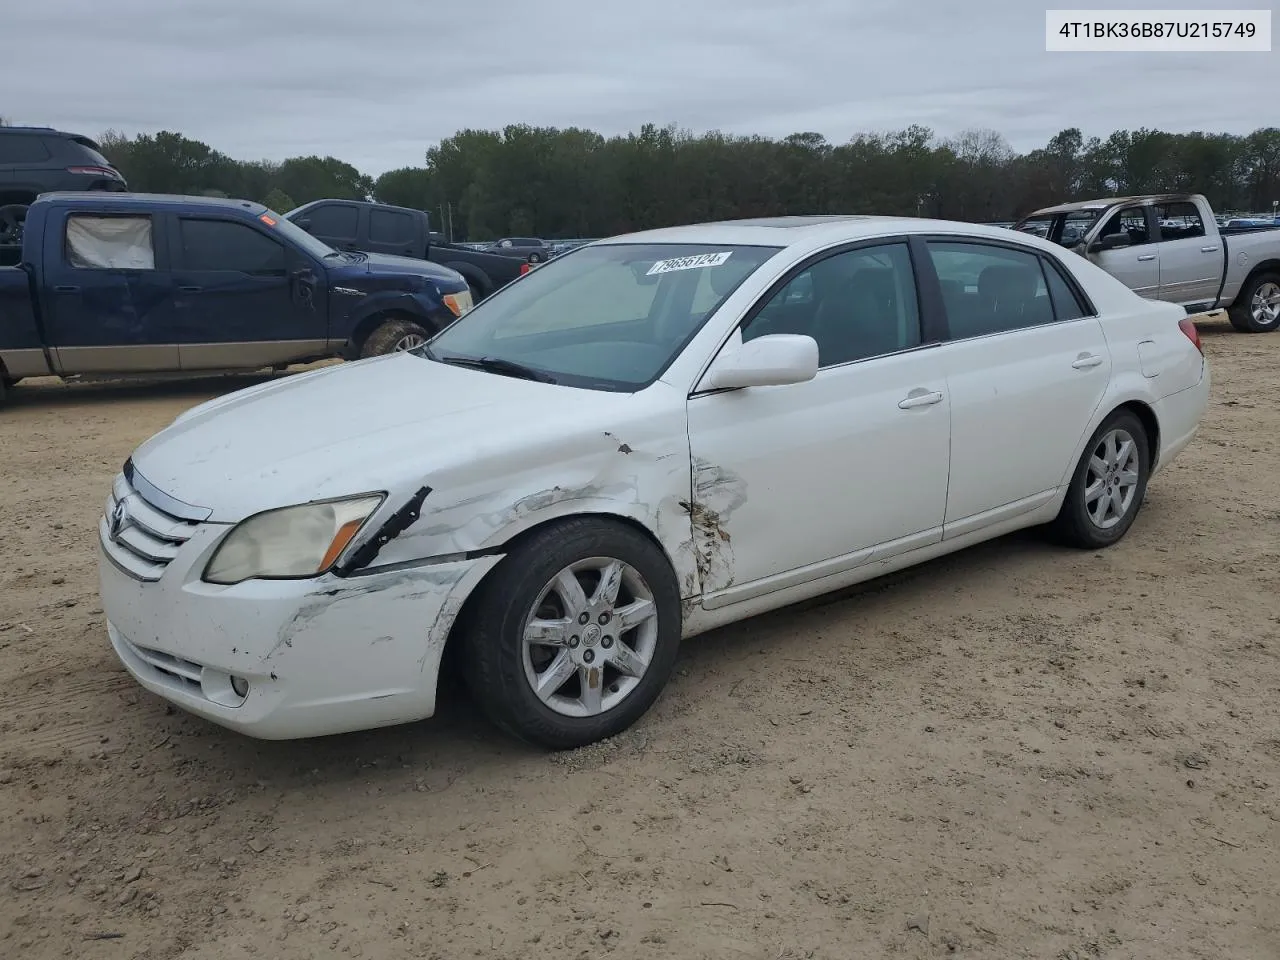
1257,308
535,258
501,668
393,335
1076,524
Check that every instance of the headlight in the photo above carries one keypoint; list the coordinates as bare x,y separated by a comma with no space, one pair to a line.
292,542
459,303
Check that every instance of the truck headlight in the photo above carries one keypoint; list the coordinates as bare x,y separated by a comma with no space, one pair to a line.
291,542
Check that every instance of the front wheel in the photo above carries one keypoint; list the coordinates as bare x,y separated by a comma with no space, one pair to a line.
536,258
574,634
1257,309
393,336
1108,486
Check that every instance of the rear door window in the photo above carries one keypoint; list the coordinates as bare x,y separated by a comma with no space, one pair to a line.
22,148
110,243
390,226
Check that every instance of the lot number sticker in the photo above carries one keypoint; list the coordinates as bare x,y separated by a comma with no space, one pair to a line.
689,263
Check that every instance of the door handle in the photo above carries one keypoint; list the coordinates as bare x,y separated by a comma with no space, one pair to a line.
1208,249
1084,363
1145,257
919,398
66,288
190,289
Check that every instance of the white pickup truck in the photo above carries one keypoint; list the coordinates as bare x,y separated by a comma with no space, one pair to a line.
1170,247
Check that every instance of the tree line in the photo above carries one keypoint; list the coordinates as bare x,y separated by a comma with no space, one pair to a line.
550,182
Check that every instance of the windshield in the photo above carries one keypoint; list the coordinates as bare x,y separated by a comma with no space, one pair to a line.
611,317
294,233
1066,229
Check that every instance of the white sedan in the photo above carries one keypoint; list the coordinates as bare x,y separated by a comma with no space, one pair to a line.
646,438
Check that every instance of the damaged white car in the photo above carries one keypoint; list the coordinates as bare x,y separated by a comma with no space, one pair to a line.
643,439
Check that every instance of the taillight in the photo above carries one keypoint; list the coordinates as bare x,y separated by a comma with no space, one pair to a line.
1187,326
95,172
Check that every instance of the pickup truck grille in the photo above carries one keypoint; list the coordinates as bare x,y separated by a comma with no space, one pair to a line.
138,537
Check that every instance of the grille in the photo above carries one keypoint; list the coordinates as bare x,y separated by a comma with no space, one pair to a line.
147,538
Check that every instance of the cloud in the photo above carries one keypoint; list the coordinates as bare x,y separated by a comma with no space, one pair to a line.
377,82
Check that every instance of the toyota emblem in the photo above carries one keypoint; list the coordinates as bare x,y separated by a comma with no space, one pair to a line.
119,519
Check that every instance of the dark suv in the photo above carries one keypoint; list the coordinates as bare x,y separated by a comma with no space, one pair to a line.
36,160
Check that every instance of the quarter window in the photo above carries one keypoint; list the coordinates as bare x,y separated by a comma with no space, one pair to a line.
224,245
856,304
988,289
1066,303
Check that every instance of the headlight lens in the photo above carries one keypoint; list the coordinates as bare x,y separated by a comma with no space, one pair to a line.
458,303
292,542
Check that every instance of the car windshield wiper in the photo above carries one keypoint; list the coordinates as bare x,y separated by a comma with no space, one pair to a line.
509,368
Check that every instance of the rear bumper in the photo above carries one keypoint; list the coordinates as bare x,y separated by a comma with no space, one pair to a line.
1179,415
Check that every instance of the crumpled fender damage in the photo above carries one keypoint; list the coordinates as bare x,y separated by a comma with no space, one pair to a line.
643,474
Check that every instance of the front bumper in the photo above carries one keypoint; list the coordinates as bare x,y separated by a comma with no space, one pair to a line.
321,656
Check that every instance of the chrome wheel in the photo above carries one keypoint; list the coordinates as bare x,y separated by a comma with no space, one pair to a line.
1111,482
1264,305
590,637
409,341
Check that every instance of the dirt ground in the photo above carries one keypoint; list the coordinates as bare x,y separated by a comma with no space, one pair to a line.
1018,751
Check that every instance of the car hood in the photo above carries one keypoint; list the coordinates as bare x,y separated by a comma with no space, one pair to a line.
387,423
382,266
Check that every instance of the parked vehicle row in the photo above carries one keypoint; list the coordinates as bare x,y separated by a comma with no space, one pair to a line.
1170,247
653,436
120,283
381,228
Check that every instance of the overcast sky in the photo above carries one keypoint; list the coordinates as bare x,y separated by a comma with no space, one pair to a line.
375,82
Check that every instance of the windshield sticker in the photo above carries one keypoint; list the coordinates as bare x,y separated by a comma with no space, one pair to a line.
689,263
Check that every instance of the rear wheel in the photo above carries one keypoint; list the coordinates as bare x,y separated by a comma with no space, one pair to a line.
1108,486
392,336
574,634
1257,309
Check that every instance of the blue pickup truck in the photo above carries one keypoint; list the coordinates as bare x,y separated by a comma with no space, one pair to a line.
134,284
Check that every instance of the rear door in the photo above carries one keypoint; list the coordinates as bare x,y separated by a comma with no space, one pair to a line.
238,301
1191,262
1137,264
1027,365
108,293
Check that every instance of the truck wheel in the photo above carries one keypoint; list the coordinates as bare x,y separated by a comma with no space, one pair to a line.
574,634
535,258
392,336
12,218
1257,308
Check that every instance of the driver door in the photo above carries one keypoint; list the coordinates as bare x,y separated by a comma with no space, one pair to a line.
1137,264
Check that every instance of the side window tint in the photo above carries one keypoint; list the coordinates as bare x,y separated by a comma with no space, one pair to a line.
989,289
387,226
110,243
223,245
1131,221
856,304
22,148
1179,221
334,220
1066,304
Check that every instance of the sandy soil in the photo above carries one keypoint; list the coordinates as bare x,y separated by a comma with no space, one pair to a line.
1015,752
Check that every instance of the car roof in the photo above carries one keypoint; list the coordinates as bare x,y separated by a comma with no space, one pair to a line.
1104,203
101,199
804,231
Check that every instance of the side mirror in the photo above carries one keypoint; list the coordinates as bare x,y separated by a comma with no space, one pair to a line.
769,361
1113,241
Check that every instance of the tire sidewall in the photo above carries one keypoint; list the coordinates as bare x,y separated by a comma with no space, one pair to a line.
383,337
497,637
1246,304
1098,537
